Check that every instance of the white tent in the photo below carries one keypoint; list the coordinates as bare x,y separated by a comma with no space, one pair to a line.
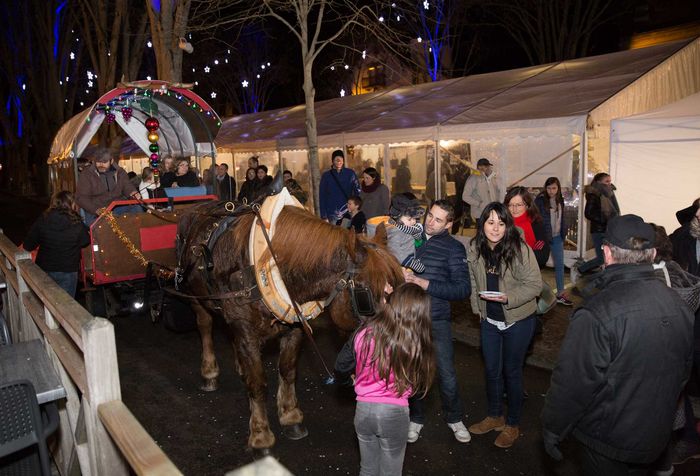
655,161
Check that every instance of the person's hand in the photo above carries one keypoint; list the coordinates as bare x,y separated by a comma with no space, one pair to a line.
136,196
388,289
412,278
174,185
539,244
551,445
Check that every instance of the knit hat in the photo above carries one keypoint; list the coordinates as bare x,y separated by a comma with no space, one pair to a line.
337,153
405,204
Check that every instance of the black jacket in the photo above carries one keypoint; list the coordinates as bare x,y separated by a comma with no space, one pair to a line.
226,188
624,360
59,239
684,251
445,261
594,210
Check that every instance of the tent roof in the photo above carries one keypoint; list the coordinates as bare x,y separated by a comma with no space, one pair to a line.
187,123
555,96
677,121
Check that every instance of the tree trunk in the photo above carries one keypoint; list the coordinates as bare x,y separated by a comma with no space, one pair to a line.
167,26
312,133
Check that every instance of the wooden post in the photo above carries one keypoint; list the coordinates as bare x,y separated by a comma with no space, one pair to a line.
102,372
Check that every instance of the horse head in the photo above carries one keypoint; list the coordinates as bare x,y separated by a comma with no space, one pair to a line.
314,257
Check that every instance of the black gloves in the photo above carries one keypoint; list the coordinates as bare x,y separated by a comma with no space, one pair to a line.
551,445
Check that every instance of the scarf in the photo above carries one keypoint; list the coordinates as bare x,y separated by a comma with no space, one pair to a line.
371,188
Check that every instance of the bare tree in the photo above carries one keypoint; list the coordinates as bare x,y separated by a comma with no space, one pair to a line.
169,20
315,24
102,29
39,60
551,30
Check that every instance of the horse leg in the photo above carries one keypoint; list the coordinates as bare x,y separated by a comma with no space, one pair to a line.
250,359
290,416
209,368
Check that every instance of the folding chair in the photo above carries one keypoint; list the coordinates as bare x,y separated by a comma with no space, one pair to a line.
24,429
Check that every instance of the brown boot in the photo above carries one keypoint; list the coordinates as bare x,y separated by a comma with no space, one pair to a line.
488,424
507,437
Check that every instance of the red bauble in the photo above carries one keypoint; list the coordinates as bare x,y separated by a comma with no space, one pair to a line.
152,124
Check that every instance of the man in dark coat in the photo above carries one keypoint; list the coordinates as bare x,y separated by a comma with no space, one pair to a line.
445,279
226,184
624,361
686,239
102,183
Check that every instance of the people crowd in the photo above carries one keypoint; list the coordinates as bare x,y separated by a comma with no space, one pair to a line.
620,379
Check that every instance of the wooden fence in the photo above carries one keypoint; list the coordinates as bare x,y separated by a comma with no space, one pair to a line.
98,435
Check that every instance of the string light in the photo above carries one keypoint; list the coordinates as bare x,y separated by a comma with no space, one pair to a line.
149,44
216,61
420,40
364,54
381,19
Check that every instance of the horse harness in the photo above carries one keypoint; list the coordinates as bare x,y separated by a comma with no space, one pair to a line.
247,290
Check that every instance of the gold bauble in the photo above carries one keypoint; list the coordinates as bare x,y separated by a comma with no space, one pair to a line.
153,137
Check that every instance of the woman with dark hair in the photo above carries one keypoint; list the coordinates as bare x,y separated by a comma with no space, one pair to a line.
550,204
527,217
60,234
248,188
375,196
505,281
601,206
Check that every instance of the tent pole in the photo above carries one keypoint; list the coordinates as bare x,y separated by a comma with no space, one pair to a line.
583,173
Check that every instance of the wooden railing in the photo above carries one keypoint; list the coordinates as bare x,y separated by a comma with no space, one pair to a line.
98,434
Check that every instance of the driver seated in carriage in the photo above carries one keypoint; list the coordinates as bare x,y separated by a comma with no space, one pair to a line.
102,183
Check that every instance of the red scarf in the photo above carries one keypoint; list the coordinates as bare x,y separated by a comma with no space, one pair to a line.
523,222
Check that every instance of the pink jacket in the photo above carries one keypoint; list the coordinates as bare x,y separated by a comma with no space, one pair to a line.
369,387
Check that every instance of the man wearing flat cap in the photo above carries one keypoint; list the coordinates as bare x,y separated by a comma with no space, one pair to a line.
624,360
481,189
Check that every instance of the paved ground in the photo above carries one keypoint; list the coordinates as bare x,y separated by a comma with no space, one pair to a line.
206,433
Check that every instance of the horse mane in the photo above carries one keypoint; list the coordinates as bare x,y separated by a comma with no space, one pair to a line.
297,229
327,247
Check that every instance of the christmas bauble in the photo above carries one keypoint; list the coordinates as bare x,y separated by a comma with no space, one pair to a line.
153,137
152,124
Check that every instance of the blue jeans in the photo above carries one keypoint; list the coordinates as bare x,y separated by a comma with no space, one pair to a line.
599,259
447,377
382,432
67,281
557,248
504,357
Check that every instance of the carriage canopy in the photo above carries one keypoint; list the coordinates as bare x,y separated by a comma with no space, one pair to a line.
188,125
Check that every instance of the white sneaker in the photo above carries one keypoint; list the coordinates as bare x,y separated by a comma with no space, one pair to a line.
461,433
414,431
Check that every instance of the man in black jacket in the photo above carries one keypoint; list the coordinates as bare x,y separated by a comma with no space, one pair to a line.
624,360
226,183
446,278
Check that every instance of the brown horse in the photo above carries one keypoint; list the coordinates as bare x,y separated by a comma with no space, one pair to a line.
313,256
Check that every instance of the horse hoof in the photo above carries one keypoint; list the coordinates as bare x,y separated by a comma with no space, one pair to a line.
295,432
209,385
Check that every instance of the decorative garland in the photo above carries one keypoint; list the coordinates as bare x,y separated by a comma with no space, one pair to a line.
133,251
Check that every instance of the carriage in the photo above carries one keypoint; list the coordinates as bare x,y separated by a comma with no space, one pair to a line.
122,244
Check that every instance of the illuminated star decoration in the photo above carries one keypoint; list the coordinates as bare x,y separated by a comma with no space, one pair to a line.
342,93
244,83
207,69
213,95
426,5
72,55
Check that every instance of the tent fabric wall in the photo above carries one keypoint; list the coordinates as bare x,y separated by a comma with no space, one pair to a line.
670,80
655,160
